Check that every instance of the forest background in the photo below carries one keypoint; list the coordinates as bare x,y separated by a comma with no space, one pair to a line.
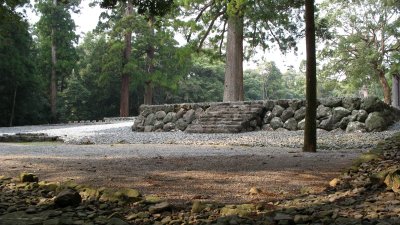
51,73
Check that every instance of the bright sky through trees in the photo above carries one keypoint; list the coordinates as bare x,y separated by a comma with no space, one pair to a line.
89,16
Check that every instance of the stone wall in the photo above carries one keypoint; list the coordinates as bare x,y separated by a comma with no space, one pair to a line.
349,114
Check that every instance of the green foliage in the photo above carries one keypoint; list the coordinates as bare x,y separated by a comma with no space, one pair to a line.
145,7
266,23
267,82
17,71
203,83
365,43
93,92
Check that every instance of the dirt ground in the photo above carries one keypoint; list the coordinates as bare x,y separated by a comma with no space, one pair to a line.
223,173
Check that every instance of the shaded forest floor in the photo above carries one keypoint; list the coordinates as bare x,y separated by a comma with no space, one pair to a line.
235,189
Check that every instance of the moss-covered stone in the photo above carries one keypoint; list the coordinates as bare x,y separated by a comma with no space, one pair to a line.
392,181
123,196
28,177
243,210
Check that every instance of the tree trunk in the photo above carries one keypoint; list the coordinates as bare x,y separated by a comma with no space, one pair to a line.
148,89
148,93
310,130
53,78
233,87
13,107
387,93
396,91
124,101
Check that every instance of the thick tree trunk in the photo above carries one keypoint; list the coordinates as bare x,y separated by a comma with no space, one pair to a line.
233,87
13,107
125,80
310,130
396,91
148,89
53,78
387,93
148,93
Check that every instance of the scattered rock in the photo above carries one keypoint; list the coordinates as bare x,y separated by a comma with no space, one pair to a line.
375,122
277,111
276,123
67,197
28,177
160,207
355,127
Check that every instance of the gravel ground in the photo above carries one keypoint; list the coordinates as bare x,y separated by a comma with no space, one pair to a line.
120,132
179,166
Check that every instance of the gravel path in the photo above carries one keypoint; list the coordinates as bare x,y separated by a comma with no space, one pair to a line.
180,172
120,132
179,166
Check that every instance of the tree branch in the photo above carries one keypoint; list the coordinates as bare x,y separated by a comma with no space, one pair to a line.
222,37
209,29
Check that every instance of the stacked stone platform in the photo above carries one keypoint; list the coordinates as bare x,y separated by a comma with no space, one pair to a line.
229,118
348,113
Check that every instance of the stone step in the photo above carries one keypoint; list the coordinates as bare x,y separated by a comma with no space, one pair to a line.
214,128
226,118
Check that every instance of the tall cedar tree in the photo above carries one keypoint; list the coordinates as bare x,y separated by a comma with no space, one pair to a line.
310,129
260,22
56,36
150,9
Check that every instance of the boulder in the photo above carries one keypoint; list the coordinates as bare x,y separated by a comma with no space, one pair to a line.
343,123
189,116
291,124
269,105
375,122
150,120
267,127
300,113
301,124
355,126
160,207
323,111
148,128
28,177
199,113
170,117
198,206
339,113
124,196
139,122
372,104
296,104
169,126
180,113
160,115
351,103
331,102
268,117
286,114
276,123
392,181
181,124
362,115
67,197
327,124
158,125
277,111
283,102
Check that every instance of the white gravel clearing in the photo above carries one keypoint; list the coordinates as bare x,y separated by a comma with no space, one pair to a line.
120,133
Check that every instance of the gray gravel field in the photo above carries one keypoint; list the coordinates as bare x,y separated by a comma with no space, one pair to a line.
178,166
120,132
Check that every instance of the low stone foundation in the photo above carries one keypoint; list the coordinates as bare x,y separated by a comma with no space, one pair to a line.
28,137
348,113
